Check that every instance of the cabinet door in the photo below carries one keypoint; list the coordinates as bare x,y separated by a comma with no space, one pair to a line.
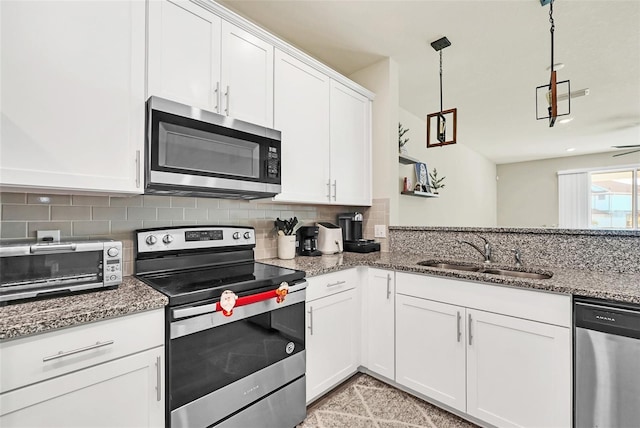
331,341
350,146
301,103
430,349
247,76
127,392
72,95
519,371
184,53
379,321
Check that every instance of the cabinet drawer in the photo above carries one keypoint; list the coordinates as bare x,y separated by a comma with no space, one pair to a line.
534,305
331,283
36,358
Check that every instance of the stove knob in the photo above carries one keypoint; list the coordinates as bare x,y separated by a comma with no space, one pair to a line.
151,240
167,239
236,235
112,252
247,235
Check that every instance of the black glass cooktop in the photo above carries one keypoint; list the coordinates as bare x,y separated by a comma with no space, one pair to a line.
197,285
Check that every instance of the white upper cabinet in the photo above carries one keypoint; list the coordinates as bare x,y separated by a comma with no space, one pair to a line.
201,60
350,146
72,95
302,115
184,53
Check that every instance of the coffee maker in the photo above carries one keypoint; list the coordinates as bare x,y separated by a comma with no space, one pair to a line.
351,224
307,241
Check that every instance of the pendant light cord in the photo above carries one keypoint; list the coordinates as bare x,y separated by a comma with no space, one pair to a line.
551,30
440,80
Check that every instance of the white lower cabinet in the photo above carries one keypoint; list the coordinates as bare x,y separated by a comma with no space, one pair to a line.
501,369
378,297
87,376
333,330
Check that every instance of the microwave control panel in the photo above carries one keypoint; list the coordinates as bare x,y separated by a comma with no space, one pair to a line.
273,163
112,270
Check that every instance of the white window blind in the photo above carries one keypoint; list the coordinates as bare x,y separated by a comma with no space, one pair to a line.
573,203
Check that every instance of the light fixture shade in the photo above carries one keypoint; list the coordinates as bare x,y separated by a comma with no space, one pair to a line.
549,104
442,128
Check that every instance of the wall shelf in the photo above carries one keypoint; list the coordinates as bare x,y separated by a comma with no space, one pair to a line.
421,194
407,160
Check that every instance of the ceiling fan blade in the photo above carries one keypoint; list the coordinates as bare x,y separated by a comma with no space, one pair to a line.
626,147
626,153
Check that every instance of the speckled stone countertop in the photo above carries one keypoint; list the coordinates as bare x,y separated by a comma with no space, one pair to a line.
39,316
603,285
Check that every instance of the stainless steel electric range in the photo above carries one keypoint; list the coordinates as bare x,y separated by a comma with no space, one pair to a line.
235,337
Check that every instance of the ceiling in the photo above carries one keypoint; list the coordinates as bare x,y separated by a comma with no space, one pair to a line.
499,54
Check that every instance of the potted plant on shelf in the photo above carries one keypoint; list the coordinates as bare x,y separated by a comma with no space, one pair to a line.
402,141
436,183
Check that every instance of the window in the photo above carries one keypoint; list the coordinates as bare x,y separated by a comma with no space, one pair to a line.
614,199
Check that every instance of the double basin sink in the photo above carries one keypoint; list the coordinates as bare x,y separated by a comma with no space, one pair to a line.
486,269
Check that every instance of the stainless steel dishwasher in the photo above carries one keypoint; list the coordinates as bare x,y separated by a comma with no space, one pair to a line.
607,364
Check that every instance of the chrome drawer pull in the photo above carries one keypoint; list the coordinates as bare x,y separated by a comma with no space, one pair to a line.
470,332
310,321
388,286
158,379
336,283
77,351
459,330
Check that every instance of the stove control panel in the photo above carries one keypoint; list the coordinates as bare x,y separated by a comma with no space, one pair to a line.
194,237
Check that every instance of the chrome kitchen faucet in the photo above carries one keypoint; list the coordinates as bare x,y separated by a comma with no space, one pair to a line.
487,248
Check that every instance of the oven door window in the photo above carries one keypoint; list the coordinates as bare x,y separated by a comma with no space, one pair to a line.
79,268
206,361
192,150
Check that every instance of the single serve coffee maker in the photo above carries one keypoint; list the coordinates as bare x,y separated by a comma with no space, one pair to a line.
351,224
307,241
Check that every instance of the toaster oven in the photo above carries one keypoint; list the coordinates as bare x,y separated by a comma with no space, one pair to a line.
31,269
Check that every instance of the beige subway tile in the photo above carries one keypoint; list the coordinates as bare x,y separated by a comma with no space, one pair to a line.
231,203
13,229
256,214
180,223
25,212
93,201
195,214
70,213
210,203
124,237
43,198
156,201
156,223
90,228
170,213
238,214
109,213
125,201
125,227
13,198
142,213
63,226
218,214
183,202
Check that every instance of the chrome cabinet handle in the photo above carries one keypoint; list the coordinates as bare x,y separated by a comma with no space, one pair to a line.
329,189
158,379
459,323
310,320
335,189
217,92
77,351
388,286
336,283
470,332
137,169
227,94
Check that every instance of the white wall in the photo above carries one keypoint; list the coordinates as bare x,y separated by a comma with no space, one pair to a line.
528,191
469,195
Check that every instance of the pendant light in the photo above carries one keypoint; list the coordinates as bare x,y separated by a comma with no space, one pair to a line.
441,133
547,95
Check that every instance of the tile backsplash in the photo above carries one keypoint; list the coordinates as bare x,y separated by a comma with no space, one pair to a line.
110,217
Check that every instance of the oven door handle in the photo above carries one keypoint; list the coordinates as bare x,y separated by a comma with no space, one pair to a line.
181,313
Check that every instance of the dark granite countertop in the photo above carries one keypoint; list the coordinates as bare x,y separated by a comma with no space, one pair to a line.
623,287
40,316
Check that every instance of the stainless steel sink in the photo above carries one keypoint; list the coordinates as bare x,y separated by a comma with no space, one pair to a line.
453,266
517,273
484,269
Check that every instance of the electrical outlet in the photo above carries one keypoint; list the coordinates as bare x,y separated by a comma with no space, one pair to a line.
380,231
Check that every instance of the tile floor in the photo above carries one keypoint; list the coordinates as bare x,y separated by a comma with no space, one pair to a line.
364,402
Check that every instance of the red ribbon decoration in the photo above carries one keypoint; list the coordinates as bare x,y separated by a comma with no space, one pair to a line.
279,294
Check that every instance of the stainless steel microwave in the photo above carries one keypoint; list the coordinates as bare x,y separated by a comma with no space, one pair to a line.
30,269
194,152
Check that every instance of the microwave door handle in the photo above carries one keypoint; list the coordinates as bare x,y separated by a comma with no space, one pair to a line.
37,248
